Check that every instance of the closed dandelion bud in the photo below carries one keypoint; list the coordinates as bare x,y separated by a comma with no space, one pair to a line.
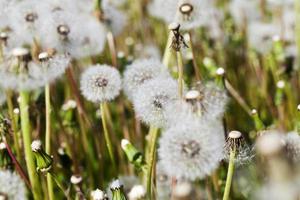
117,190
235,142
43,160
133,155
137,192
258,123
98,195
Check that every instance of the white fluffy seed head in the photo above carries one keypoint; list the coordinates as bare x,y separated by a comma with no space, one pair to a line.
12,186
192,95
183,190
292,146
70,104
116,184
280,84
189,14
137,192
36,145
98,195
269,143
139,72
220,71
191,149
100,83
20,51
152,98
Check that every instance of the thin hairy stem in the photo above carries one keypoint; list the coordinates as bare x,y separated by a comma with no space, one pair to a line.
229,174
180,73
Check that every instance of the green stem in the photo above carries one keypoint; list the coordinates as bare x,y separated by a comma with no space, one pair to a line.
13,123
48,138
168,51
106,134
229,174
151,158
180,73
25,125
61,187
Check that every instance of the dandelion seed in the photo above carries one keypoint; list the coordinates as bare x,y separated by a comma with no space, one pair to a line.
191,150
269,143
100,83
152,98
139,72
12,186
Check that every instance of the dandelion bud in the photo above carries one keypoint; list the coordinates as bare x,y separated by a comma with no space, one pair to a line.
133,155
117,190
98,195
43,160
137,192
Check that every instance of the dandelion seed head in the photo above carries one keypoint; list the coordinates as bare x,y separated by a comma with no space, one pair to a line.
280,84
147,51
36,145
139,72
269,143
137,192
191,150
2,146
260,36
100,83
292,146
163,182
152,98
12,186
188,13
115,19
207,100
244,11
116,184
98,195
79,35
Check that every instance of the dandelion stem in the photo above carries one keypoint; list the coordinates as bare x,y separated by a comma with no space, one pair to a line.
229,174
106,134
48,138
13,123
112,48
25,125
151,159
168,52
180,73
53,176
196,69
